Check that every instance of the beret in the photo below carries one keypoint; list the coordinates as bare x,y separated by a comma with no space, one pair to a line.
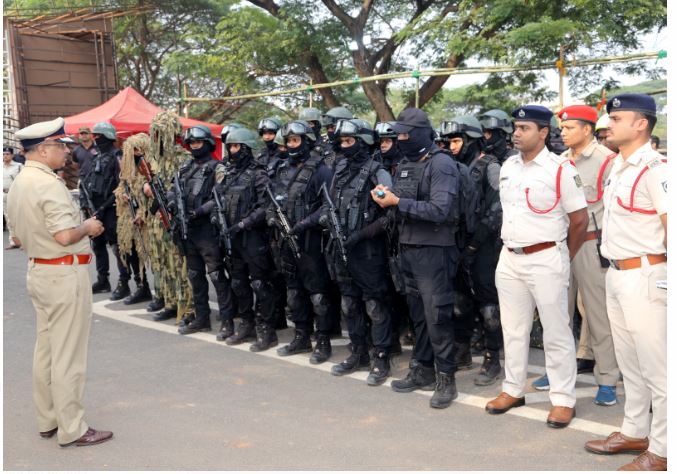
578,112
636,102
533,113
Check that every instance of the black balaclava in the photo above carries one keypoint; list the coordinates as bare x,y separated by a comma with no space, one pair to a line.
421,140
202,154
469,150
137,159
392,156
242,157
317,127
497,145
356,154
104,144
301,153
271,146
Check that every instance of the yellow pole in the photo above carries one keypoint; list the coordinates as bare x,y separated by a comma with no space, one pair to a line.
561,77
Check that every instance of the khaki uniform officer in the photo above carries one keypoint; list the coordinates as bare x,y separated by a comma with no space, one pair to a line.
634,240
46,222
588,271
544,222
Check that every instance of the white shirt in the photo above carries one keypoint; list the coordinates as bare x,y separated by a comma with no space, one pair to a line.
628,234
10,173
521,225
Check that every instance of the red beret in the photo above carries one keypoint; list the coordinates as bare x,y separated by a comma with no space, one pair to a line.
579,112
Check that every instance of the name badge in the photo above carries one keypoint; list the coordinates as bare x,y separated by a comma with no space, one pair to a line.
404,174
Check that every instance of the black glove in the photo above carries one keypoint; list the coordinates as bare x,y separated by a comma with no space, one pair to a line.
351,241
299,228
235,229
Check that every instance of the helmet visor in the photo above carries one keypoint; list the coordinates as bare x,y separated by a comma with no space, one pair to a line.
489,122
385,129
294,128
267,124
194,134
449,128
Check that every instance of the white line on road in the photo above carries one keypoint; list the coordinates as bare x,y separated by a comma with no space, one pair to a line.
537,414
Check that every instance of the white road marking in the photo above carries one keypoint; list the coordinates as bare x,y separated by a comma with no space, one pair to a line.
136,318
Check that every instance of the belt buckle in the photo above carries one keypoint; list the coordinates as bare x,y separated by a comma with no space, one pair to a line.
518,250
614,264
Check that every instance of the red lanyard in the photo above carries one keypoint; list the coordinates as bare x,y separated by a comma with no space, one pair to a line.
632,207
558,191
600,177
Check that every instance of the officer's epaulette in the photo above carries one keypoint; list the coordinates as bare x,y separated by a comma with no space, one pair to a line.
655,162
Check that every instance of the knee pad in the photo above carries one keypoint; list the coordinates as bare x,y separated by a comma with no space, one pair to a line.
239,287
349,306
376,311
462,304
217,276
320,304
491,317
263,289
294,299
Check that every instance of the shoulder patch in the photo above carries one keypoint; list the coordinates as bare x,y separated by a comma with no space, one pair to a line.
578,181
654,163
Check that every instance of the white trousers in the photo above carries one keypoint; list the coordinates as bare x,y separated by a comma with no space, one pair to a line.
525,282
638,316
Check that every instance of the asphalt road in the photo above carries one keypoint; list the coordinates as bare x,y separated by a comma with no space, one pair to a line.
190,403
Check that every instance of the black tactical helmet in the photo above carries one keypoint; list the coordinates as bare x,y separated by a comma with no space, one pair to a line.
199,132
298,127
496,119
355,128
229,128
269,124
334,115
463,124
385,130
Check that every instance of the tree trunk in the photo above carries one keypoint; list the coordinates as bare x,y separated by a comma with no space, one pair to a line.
319,77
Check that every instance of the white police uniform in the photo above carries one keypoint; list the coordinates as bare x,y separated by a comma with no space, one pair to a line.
535,273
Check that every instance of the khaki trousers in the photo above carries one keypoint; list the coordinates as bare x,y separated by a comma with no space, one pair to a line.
525,282
62,298
588,281
638,315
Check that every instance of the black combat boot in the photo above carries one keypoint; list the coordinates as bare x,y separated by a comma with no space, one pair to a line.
462,356
322,350
445,391
300,343
358,359
226,330
155,305
266,337
245,330
187,319
142,293
380,369
490,371
166,314
196,326
120,291
101,285
419,377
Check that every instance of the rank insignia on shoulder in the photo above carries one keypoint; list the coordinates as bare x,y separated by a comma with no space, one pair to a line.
654,163
578,181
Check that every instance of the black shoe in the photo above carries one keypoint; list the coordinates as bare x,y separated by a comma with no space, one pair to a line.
445,391
245,330
419,377
584,366
226,330
187,319
300,343
380,369
155,305
322,350
266,337
194,327
142,293
490,371
168,313
101,285
120,291
462,356
358,359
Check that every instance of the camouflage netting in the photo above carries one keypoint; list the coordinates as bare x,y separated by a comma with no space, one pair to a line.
128,234
169,267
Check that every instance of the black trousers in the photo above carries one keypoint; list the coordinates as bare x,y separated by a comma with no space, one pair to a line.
475,289
203,251
429,273
109,237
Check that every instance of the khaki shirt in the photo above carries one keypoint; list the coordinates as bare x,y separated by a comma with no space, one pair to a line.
628,234
589,165
38,206
523,226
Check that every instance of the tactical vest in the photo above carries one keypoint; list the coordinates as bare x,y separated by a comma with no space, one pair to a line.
351,197
101,176
197,182
292,184
239,193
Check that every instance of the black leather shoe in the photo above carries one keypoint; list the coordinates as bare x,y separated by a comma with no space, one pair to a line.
187,319
227,329
101,285
168,313
90,438
142,293
194,327
121,291
245,330
155,305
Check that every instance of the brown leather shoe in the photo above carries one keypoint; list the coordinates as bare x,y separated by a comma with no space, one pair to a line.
503,403
647,461
49,434
90,438
616,443
560,417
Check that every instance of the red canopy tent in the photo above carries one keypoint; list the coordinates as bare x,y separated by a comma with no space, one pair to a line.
131,113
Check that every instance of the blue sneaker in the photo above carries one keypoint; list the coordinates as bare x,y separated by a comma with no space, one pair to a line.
541,383
606,396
